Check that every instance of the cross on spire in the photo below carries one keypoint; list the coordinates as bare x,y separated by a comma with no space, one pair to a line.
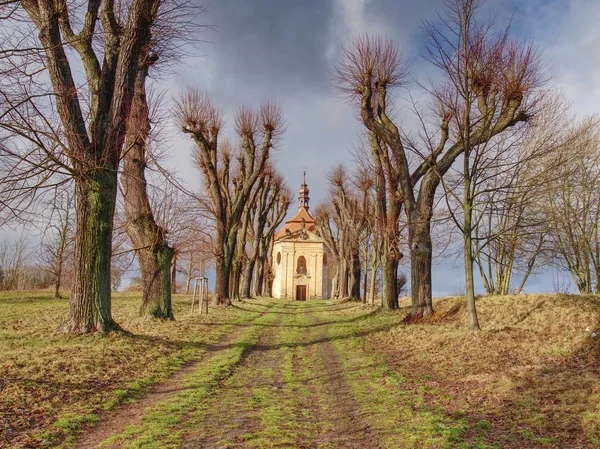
303,198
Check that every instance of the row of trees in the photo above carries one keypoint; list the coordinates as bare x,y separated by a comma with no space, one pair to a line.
93,135
518,178
247,198
76,131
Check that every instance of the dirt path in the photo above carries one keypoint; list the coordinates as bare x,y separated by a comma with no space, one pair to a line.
276,381
348,429
132,414
230,415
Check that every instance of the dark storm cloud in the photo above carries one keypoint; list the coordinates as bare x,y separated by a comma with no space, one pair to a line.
268,47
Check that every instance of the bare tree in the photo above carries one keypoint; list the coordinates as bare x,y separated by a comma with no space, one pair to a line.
275,216
57,243
351,222
106,41
490,83
330,235
154,254
273,196
571,207
230,188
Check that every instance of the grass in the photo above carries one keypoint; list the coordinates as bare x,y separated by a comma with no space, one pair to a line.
53,384
530,378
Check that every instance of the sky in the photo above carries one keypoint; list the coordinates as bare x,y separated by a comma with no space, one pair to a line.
286,50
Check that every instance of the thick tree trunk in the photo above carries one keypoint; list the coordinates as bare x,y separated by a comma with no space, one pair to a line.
223,265
247,280
260,278
155,267
150,240
90,307
344,275
236,279
335,282
419,240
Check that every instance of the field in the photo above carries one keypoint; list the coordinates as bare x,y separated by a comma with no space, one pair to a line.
317,374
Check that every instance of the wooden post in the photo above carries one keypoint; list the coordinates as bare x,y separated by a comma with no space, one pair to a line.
203,299
194,296
201,291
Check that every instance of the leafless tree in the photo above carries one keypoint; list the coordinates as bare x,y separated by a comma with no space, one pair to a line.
272,196
230,177
57,243
276,213
91,113
490,83
571,206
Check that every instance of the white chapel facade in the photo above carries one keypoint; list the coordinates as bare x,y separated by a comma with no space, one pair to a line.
300,257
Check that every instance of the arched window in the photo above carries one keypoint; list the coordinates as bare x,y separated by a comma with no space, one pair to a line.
324,260
301,268
278,258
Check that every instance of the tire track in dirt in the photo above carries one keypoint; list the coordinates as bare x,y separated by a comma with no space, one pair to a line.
132,414
347,427
231,416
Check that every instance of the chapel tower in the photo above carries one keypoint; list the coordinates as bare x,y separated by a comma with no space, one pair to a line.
300,256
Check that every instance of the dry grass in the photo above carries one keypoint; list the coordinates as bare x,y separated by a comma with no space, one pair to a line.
52,384
530,378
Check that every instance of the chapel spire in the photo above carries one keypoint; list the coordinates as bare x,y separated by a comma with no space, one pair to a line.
303,197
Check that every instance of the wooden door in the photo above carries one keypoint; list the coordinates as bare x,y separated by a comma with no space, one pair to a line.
300,292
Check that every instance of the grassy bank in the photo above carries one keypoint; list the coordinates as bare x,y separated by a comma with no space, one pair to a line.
50,385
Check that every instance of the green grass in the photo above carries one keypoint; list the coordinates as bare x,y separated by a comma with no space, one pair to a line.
528,379
53,378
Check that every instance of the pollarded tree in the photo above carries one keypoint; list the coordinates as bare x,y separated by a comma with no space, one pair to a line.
149,239
331,237
230,178
106,41
273,195
264,276
347,204
490,83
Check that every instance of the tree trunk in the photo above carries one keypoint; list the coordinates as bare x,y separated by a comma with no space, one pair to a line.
148,238
223,264
90,307
260,278
365,285
355,275
174,273
236,279
373,283
247,283
155,267
470,286
468,245
344,274
419,239
389,280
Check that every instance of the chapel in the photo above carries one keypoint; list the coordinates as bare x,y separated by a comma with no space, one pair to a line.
300,257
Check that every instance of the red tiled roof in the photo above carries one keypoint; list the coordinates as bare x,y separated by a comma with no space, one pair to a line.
295,224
